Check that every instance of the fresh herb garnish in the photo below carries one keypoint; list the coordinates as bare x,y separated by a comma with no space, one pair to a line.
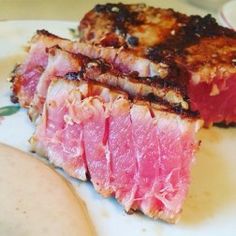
74,33
8,110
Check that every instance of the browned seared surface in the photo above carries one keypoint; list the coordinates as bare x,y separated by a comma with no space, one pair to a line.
47,50
163,35
134,26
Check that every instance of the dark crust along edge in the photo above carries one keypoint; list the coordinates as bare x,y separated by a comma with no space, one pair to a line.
155,81
152,81
48,34
225,125
120,14
151,99
173,108
195,29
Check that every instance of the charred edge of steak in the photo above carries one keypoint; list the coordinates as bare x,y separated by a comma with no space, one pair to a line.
72,76
176,79
173,108
170,82
13,73
191,33
14,98
46,33
133,41
121,17
150,98
12,79
101,64
111,41
225,125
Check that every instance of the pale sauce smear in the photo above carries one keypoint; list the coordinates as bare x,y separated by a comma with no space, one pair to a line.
35,200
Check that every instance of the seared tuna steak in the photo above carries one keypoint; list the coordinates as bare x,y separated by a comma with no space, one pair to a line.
193,51
140,152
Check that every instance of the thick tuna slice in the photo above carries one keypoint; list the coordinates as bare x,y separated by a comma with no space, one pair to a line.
92,114
138,152
25,77
177,145
56,136
123,60
69,147
147,153
123,158
164,146
59,64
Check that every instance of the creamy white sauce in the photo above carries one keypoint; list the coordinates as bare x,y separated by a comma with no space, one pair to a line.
35,200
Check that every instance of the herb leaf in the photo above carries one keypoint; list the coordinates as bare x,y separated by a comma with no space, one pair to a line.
8,110
74,33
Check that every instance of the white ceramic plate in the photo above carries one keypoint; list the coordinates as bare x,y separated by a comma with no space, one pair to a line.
227,15
210,208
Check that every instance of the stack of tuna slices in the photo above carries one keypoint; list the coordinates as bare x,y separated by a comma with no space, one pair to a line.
120,106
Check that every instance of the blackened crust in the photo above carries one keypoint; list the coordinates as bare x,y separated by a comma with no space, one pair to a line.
193,44
44,32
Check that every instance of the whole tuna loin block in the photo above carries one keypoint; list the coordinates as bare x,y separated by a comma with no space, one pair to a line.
193,51
138,151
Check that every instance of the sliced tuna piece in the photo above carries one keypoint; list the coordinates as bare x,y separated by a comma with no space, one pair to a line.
122,153
148,154
25,77
212,64
57,137
123,60
93,117
93,114
163,144
176,145
59,64
138,152
69,147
